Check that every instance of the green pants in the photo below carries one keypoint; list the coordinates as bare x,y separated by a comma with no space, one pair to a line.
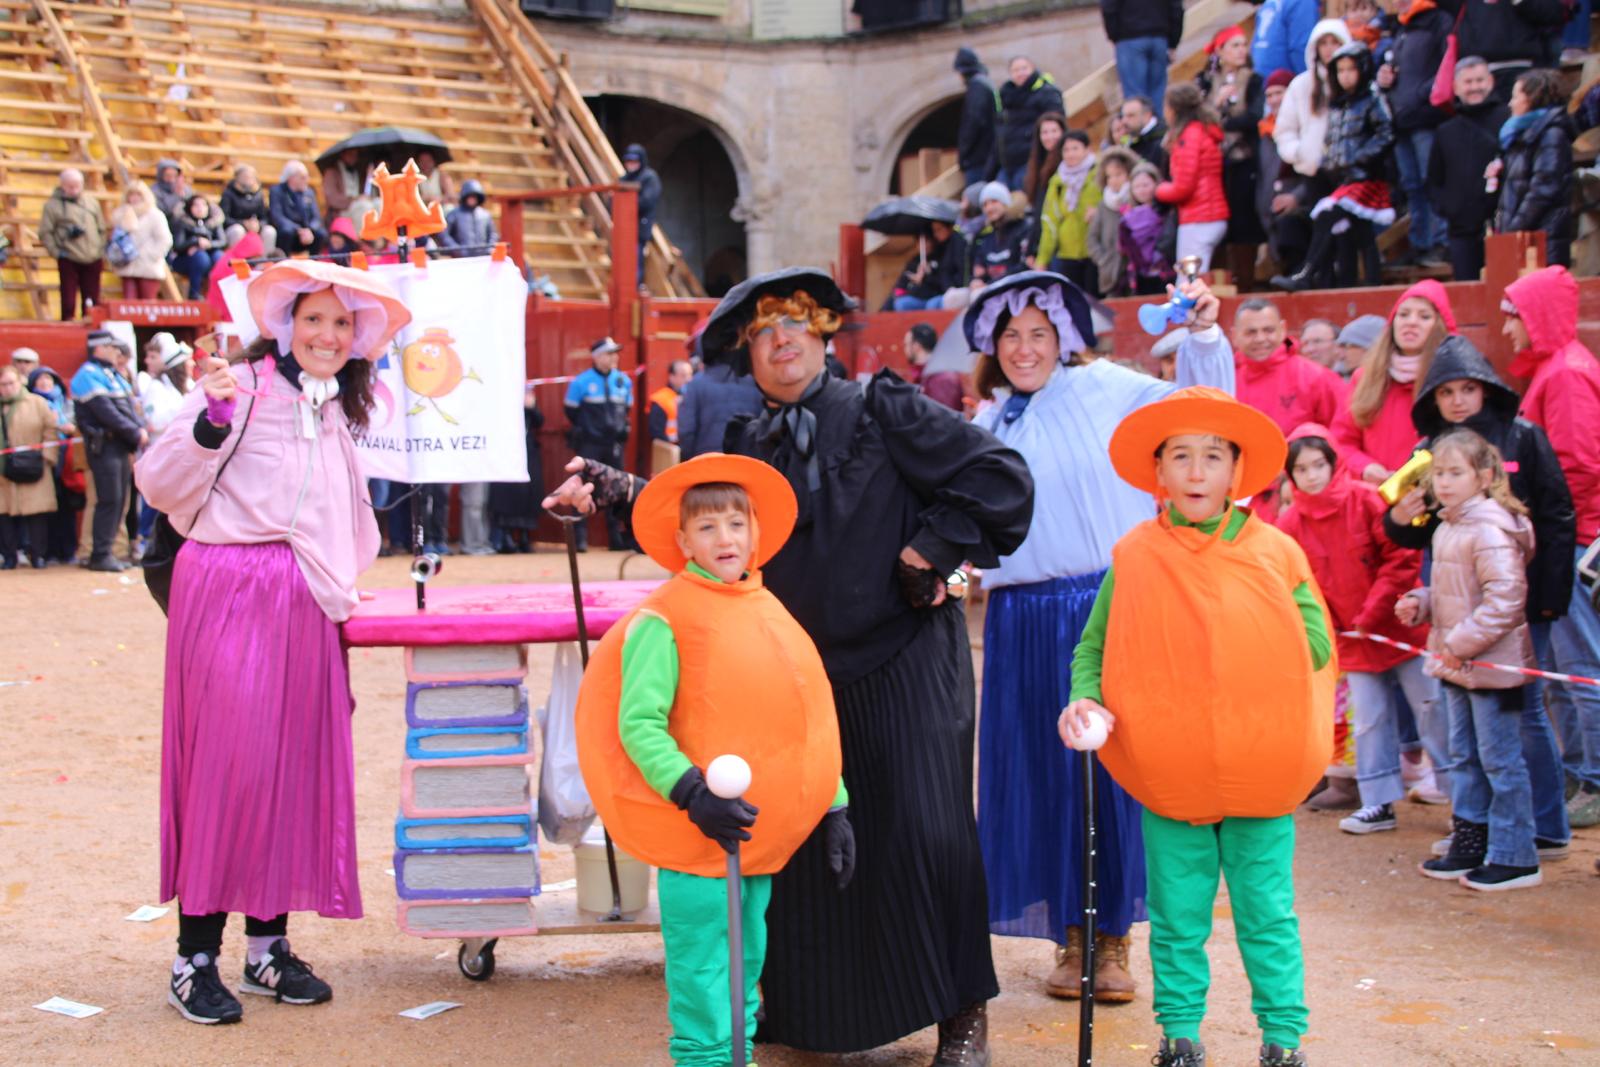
694,928
1257,857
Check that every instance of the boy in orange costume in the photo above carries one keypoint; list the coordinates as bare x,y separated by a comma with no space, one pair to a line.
711,663
1210,642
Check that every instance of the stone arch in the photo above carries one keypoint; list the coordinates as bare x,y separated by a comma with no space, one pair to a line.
921,100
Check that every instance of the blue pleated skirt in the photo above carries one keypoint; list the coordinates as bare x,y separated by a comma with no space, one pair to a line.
1030,786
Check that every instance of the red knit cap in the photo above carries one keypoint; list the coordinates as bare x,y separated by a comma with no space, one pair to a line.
1282,76
1224,35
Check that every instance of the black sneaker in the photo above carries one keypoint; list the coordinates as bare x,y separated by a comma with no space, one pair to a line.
283,975
1551,850
199,995
1469,841
1180,1053
1494,877
1369,820
1278,1056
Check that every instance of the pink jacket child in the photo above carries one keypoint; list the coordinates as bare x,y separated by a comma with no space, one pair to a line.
1563,397
1387,436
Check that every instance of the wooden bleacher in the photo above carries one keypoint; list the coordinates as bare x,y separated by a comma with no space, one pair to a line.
112,87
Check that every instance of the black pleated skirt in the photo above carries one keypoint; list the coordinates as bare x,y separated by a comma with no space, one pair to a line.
906,944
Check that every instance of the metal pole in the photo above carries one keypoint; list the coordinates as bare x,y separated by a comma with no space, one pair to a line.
736,953
1090,887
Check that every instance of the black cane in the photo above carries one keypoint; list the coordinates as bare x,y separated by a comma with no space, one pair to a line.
568,522
1090,886
416,546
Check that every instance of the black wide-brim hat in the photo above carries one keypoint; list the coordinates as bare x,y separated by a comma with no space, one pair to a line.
993,296
720,342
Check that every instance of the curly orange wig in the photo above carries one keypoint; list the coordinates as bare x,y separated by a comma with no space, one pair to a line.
799,305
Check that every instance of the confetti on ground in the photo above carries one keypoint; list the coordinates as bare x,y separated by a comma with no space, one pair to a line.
426,1011
146,913
556,887
99,592
70,1008
22,681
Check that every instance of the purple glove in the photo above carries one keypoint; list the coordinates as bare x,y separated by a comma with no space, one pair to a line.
220,412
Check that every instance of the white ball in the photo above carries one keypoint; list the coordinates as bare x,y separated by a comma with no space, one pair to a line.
1092,736
729,776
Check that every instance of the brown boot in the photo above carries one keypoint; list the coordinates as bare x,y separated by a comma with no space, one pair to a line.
964,1038
1066,981
1340,795
1113,984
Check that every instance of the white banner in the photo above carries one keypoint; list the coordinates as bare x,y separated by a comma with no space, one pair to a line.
448,396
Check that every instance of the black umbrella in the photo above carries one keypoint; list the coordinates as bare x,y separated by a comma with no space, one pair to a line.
390,144
909,216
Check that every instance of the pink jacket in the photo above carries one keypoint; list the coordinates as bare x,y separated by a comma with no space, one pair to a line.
257,500
1476,593
1563,398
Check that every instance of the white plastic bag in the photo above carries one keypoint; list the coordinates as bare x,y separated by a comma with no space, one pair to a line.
565,810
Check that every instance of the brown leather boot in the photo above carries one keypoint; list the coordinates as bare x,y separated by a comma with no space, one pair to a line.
1113,984
964,1038
1066,981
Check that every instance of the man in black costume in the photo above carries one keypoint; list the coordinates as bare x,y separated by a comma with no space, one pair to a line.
894,494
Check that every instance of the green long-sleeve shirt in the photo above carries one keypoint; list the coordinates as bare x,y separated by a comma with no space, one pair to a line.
1088,658
649,686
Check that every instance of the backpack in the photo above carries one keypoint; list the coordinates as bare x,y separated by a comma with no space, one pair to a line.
120,249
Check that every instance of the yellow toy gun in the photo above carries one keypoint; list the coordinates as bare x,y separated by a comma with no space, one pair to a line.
1407,478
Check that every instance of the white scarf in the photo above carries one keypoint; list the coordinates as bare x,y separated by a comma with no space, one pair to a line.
1117,199
1073,179
315,392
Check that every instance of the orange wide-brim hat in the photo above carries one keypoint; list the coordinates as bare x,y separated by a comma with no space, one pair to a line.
655,513
1204,410
379,313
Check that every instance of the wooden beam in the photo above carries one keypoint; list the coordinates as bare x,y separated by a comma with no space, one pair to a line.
86,86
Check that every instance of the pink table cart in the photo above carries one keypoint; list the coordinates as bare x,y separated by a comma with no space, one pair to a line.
466,860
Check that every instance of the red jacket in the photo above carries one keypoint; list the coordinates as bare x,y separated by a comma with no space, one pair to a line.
1391,436
1288,388
1564,396
1196,168
1361,572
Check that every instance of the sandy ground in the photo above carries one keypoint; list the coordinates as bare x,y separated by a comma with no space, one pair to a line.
1401,970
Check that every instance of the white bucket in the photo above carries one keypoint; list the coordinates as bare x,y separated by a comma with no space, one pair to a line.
594,877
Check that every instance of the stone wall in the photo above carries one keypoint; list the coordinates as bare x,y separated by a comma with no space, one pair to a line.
814,127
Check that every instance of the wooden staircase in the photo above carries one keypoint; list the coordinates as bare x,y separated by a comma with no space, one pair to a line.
111,88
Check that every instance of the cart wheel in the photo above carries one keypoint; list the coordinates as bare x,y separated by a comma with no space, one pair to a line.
479,968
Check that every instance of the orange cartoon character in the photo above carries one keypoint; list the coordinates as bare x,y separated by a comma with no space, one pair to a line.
433,369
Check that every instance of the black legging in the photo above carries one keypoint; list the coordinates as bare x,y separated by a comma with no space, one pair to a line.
203,933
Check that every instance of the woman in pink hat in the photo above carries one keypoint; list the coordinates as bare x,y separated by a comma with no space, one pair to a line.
259,470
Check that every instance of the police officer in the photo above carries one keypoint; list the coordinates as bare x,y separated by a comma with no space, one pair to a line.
109,419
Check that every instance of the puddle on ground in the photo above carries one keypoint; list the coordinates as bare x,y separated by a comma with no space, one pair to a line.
1556,1039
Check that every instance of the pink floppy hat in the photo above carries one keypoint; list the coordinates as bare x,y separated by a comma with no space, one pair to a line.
378,311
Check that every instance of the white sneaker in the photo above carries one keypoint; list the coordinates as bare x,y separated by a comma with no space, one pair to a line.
1369,820
1425,790
1441,847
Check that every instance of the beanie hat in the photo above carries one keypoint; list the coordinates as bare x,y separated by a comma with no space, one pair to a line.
995,191
1281,76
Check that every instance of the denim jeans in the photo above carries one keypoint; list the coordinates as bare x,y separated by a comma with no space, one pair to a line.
1411,151
907,302
1576,33
1489,777
1014,178
1142,68
196,267
1574,648
1376,726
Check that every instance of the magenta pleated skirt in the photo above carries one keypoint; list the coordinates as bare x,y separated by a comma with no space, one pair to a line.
257,764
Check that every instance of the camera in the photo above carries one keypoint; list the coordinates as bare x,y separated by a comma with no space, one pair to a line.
74,232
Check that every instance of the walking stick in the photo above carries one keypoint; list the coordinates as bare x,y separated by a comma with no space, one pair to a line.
728,777
568,522
1090,887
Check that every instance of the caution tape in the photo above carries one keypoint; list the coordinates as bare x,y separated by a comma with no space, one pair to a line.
37,448
1526,672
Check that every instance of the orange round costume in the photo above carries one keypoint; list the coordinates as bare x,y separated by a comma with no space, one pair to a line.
1211,724
750,682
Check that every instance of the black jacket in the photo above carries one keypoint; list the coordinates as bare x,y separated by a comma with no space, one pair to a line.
649,189
1149,147
979,113
1417,53
187,231
1536,184
1462,147
1127,19
1503,32
238,205
1360,130
1020,108
102,415
998,251
1531,463
710,402
947,269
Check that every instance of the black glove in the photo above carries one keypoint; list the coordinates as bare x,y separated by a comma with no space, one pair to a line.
918,585
723,821
611,486
841,842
